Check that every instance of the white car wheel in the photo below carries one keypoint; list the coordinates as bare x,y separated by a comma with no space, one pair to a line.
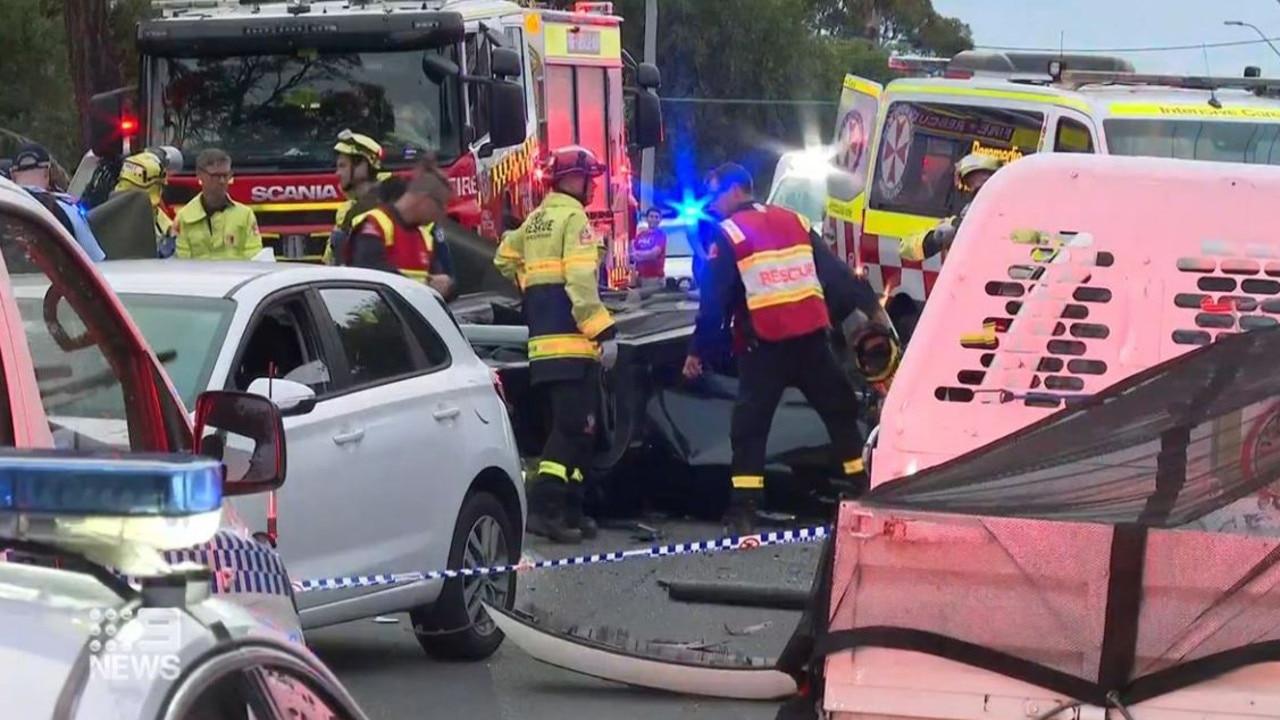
457,627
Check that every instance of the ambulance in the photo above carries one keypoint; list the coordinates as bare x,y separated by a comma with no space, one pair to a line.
899,143
488,86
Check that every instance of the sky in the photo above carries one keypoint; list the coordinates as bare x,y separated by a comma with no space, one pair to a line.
1079,25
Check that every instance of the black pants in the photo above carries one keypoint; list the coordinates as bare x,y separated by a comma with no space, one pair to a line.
764,373
571,443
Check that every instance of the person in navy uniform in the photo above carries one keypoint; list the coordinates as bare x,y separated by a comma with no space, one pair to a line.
780,286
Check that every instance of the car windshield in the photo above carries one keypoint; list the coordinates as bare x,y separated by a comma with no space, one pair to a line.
805,195
186,334
920,144
273,111
1256,143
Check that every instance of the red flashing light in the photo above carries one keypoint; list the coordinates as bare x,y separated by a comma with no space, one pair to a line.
128,126
958,75
896,63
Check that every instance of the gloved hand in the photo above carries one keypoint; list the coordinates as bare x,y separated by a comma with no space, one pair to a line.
944,235
609,353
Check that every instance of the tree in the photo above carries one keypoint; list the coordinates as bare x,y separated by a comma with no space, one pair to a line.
37,101
768,87
94,63
907,25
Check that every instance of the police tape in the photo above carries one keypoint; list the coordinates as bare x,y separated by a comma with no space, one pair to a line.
747,542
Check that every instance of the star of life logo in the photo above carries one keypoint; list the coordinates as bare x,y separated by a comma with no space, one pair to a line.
131,646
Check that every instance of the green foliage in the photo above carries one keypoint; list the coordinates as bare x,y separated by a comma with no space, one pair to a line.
37,101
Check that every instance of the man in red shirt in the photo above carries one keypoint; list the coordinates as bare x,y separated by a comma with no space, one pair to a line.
649,251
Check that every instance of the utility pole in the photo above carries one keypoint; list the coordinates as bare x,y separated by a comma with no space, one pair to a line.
647,156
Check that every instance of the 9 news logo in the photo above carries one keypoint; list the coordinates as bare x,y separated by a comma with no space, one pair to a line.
133,646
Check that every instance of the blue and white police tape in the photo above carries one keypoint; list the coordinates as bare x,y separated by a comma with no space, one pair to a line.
748,542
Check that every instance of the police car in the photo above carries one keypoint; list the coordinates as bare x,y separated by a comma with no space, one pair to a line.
78,641
115,372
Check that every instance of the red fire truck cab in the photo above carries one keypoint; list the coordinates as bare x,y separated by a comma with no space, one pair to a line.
487,85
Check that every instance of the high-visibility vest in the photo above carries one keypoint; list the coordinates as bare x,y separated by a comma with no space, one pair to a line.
409,250
772,248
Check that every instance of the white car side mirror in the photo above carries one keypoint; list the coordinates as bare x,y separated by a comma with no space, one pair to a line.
293,398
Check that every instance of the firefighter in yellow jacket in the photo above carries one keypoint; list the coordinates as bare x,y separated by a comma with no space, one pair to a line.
359,169
554,257
972,173
148,171
213,226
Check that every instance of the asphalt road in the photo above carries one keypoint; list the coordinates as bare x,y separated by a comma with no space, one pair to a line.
392,679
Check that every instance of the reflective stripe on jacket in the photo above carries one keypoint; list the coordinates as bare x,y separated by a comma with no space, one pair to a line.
771,247
409,250
227,234
554,257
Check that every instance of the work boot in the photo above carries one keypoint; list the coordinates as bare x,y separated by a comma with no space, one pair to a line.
546,511
740,519
574,516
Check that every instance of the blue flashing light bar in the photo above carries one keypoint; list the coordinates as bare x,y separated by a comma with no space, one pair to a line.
103,484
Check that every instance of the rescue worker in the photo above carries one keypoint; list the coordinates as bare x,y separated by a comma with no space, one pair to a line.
555,258
148,172
770,274
213,226
649,251
972,172
358,162
32,169
399,235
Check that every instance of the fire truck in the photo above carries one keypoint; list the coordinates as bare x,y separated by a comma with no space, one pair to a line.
488,86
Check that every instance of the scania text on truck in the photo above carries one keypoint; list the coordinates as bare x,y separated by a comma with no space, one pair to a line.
486,85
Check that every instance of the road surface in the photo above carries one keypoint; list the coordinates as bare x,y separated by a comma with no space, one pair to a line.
392,679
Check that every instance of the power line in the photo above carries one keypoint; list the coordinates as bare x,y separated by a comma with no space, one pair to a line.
1155,48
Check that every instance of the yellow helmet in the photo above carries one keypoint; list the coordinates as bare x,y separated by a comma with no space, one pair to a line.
973,162
143,171
357,145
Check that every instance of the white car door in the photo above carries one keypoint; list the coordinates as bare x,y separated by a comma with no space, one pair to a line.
284,339
403,418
